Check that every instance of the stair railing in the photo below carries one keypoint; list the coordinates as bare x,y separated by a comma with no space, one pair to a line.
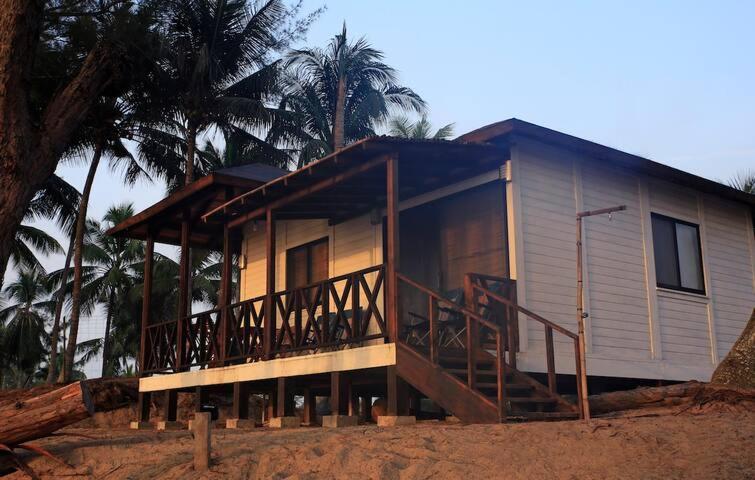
479,286
473,322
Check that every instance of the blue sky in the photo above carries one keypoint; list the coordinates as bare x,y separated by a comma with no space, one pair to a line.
672,81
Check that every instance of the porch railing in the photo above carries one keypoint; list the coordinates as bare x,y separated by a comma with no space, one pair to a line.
331,314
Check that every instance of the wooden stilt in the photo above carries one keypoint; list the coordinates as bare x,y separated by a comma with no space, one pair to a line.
240,407
310,407
202,440
170,408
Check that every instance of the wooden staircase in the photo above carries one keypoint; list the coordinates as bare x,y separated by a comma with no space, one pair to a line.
484,393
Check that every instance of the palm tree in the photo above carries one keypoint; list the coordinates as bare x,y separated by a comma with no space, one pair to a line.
744,181
23,333
111,120
217,74
341,94
402,127
111,270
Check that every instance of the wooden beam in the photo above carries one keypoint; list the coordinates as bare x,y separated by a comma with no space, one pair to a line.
304,192
149,250
269,320
184,270
392,246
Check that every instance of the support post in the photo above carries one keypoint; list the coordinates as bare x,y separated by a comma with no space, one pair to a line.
143,404
269,320
184,270
170,408
310,407
225,294
202,441
146,301
339,393
202,397
392,246
240,407
391,406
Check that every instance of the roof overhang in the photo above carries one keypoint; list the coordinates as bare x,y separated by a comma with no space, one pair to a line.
352,181
509,130
163,219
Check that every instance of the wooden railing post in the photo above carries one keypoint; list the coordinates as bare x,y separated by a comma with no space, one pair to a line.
146,300
501,376
470,303
551,359
433,330
225,295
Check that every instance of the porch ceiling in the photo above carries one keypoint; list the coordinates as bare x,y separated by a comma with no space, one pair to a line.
352,182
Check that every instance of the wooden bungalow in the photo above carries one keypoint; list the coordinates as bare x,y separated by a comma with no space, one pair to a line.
441,276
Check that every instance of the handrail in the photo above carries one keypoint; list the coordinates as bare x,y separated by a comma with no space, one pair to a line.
473,322
580,374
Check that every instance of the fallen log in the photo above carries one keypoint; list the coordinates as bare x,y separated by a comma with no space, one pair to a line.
37,417
688,393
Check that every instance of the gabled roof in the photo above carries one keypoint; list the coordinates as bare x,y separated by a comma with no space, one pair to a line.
513,127
163,218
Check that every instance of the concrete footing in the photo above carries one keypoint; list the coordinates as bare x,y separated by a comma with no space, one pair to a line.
163,426
395,421
240,423
140,426
337,421
284,422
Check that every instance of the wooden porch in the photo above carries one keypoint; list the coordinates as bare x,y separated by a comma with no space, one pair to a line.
458,352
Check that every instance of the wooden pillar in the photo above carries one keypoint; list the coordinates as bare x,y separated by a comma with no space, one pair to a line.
146,301
202,441
143,404
339,393
202,397
392,246
184,270
391,406
365,408
226,294
353,401
170,408
240,401
310,407
281,409
269,320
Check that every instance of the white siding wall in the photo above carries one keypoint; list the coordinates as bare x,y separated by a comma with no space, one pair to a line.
634,328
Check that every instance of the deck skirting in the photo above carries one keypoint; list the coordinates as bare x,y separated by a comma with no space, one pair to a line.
338,361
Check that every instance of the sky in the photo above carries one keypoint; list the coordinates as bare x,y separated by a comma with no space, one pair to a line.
672,81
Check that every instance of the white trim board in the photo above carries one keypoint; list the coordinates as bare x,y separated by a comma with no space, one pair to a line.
339,361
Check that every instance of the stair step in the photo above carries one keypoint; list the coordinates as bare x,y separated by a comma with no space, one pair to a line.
462,372
525,416
509,386
542,400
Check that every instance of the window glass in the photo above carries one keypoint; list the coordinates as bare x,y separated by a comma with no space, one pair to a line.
665,252
678,263
690,270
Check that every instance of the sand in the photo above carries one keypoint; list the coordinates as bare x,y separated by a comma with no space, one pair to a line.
704,446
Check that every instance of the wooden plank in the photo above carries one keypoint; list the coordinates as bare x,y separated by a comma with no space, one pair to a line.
551,359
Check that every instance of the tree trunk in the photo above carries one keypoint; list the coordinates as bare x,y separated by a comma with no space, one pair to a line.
338,117
106,340
60,298
81,216
191,145
30,148
40,416
738,368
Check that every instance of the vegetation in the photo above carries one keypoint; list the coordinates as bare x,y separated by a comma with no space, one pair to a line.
141,85
339,94
402,127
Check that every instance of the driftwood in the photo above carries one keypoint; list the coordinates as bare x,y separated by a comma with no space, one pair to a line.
38,412
683,394
42,415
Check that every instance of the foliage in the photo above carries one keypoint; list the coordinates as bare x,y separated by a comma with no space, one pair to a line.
402,127
744,181
351,75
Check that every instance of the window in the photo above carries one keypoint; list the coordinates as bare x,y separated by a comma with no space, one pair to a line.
678,261
307,264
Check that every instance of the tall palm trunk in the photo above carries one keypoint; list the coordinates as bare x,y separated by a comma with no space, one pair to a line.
191,145
59,301
65,374
339,114
106,342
